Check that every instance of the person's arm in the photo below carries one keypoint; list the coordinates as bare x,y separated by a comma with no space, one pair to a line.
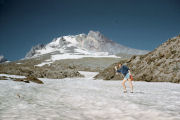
119,70
115,68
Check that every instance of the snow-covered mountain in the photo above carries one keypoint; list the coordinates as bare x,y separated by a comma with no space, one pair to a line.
2,59
93,44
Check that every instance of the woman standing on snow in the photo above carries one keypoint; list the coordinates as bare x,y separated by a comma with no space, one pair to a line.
126,73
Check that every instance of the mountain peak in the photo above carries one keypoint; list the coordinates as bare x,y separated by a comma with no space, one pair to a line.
2,59
91,32
97,35
82,44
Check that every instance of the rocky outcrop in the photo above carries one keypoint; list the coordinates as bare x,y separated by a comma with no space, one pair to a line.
3,78
20,80
33,79
95,41
26,80
27,68
160,65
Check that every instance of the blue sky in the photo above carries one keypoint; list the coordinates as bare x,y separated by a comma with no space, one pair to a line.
140,24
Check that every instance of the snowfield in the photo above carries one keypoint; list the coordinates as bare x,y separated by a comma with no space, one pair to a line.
74,56
88,99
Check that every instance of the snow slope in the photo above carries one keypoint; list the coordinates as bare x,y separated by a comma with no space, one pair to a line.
88,99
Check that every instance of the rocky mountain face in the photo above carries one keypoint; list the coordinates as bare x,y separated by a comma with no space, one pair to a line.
27,68
32,52
82,44
160,65
2,59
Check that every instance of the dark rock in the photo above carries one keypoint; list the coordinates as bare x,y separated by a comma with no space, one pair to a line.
20,80
3,78
34,79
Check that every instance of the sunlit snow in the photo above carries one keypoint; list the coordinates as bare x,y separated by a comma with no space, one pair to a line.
88,99
69,51
75,56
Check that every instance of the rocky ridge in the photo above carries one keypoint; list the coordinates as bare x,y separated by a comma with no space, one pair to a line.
160,65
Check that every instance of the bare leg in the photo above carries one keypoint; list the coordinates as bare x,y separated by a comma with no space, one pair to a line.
123,84
131,85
